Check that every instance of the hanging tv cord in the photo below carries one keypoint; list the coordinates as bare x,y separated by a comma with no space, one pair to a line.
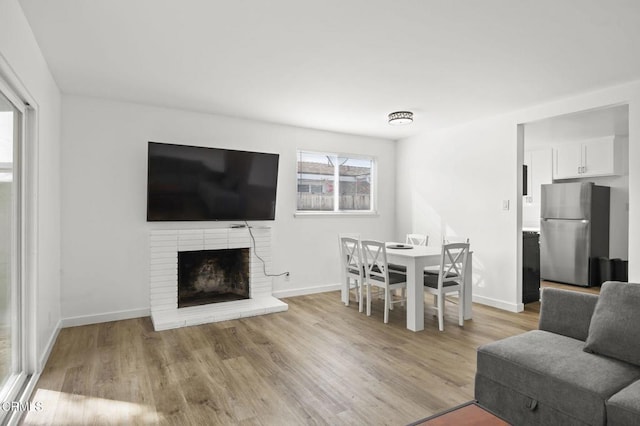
264,264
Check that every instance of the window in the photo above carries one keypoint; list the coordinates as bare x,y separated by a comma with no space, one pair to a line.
335,182
13,369
17,357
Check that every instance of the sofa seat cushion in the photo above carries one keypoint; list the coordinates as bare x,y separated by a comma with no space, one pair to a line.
623,408
555,371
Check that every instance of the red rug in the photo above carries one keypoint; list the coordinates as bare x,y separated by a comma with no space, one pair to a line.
468,414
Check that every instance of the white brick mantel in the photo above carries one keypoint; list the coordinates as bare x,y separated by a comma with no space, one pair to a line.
164,246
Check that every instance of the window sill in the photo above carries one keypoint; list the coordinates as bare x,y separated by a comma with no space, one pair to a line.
335,214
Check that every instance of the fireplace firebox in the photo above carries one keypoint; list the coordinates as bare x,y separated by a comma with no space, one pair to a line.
212,276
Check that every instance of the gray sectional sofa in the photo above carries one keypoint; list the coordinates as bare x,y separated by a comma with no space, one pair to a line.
581,367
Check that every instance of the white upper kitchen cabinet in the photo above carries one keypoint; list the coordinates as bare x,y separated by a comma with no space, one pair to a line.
588,158
567,160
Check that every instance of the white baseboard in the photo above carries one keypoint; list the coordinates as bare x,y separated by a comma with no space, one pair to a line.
500,304
47,350
307,290
495,303
106,317
145,312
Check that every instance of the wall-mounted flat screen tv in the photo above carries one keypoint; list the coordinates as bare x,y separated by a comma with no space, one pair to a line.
191,183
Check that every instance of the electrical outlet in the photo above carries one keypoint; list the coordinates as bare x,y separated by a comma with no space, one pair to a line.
505,204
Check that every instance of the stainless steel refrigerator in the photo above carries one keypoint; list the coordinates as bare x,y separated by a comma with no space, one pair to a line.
574,232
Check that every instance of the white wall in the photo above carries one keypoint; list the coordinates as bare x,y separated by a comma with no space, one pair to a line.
104,237
457,178
22,63
453,183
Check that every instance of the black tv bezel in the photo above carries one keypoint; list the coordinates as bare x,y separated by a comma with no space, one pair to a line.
277,155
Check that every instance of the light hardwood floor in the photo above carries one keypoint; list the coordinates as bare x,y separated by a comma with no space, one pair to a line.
319,363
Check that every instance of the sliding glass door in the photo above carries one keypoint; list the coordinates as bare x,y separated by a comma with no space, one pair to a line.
11,235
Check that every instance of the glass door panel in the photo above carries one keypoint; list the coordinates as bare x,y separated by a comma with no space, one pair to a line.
10,130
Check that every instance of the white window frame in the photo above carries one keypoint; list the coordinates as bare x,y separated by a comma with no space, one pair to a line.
373,211
21,384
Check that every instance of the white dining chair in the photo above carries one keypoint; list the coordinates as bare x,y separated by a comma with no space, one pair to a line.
449,278
414,240
445,240
352,268
417,239
378,275
449,239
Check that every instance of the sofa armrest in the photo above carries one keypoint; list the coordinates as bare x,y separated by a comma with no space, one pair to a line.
566,312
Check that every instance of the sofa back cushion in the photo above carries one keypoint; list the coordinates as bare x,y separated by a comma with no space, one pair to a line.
566,312
615,325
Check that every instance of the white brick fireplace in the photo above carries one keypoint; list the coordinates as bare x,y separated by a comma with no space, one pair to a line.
164,246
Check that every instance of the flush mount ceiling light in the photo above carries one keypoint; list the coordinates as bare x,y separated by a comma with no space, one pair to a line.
399,118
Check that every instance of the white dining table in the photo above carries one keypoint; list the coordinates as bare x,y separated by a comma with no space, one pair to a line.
416,259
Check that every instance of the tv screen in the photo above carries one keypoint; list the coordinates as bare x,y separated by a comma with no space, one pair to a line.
190,183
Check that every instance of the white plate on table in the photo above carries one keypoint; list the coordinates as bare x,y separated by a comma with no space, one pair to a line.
400,246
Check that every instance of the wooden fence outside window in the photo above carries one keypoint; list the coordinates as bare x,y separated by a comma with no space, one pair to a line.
324,202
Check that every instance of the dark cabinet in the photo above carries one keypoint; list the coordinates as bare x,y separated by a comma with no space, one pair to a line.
530,267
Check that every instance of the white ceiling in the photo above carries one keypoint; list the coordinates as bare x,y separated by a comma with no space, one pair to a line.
339,65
